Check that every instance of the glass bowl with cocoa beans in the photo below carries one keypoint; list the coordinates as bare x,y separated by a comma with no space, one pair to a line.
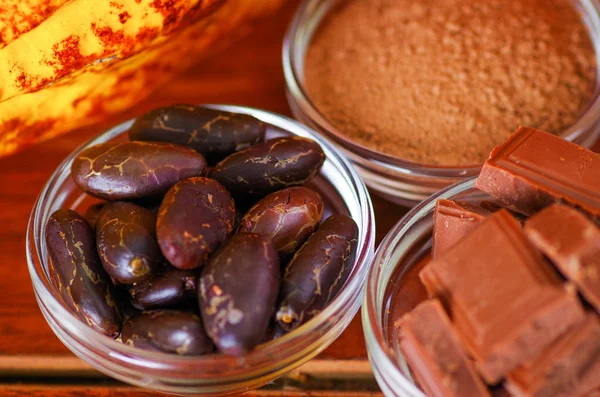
201,249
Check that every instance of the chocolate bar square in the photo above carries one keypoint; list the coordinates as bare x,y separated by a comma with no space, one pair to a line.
534,169
506,302
572,242
435,354
569,367
452,220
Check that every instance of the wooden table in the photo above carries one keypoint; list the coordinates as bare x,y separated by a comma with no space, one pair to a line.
33,362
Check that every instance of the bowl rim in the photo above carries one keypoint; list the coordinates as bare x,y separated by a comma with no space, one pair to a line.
372,307
299,34
263,354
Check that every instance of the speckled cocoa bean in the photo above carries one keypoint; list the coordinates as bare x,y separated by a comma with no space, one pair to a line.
171,288
76,272
317,271
214,133
126,242
270,166
237,293
167,331
133,170
195,217
287,217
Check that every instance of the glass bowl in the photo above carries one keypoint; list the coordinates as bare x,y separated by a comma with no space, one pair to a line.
405,248
342,190
401,181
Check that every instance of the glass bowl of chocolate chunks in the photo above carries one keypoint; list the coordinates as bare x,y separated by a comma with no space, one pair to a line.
490,287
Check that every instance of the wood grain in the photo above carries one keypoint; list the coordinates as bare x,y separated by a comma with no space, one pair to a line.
104,391
72,367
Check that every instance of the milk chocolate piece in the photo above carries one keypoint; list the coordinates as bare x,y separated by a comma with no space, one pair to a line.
570,367
572,242
533,169
452,220
506,302
435,355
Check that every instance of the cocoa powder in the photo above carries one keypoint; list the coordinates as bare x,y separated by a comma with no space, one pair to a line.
442,82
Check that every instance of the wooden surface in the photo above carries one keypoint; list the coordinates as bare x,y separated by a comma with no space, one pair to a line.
33,362
32,359
109,391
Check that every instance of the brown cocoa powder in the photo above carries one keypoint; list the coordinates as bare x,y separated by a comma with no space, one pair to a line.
442,82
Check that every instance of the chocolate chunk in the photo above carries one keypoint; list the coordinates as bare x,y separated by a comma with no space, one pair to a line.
570,367
572,242
506,302
533,169
452,220
435,354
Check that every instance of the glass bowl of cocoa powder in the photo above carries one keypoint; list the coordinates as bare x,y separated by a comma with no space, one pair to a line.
416,94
